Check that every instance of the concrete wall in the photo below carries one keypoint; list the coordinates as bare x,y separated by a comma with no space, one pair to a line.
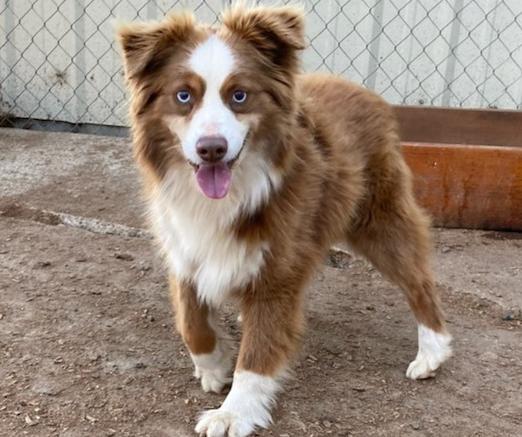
61,63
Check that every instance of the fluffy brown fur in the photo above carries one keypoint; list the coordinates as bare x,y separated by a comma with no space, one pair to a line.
336,146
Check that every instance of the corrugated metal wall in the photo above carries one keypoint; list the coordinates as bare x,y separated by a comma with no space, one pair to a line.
58,59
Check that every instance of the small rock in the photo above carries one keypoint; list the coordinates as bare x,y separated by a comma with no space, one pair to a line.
359,389
509,316
124,256
91,419
43,388
30,421
94,356
338,259
42,264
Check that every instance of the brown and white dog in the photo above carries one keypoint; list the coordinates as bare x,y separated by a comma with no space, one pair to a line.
252,172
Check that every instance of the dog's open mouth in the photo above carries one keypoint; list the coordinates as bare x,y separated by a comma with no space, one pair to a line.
214,178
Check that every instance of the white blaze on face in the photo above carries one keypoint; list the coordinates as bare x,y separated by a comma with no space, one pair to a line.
213,61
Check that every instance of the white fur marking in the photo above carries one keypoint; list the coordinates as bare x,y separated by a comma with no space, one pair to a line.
214,369
213,61
434,349
195,231
246,407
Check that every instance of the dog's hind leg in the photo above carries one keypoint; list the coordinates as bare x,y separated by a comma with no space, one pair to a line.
395,238
210,349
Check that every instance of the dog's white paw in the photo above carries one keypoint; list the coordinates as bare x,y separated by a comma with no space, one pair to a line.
421,368
213,380
222,423
246,407
214,370
434,349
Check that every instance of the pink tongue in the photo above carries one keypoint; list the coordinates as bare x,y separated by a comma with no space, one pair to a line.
214,179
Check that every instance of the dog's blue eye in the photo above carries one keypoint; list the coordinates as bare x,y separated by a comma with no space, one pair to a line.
239,96
183,96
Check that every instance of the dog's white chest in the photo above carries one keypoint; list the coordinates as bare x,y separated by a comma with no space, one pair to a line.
200,249
197,235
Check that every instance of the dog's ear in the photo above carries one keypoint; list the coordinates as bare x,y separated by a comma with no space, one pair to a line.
276,32
146,46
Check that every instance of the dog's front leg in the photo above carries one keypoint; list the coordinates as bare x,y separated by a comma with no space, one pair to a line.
272,325
210,349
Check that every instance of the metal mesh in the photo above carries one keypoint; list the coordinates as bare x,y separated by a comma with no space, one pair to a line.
59,61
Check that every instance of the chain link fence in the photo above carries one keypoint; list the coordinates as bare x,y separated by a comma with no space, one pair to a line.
59,63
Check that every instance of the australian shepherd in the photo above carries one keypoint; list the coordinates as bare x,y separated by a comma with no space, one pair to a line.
252,171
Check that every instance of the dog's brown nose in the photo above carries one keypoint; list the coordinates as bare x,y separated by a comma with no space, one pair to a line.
212,148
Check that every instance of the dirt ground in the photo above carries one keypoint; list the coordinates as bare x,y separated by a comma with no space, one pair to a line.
87,341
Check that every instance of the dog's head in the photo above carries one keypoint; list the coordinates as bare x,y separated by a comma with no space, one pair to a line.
205,96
